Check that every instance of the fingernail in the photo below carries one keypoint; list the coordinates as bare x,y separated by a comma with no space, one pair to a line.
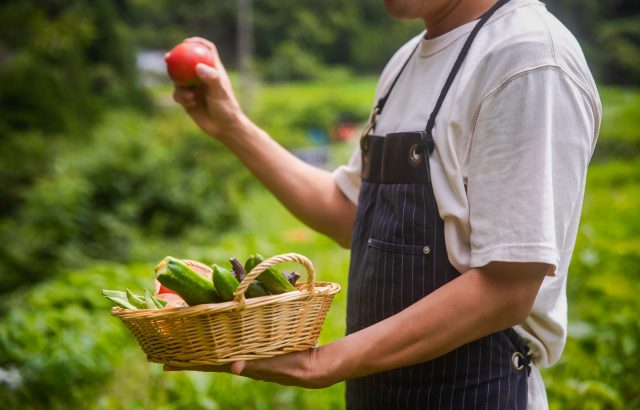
237,367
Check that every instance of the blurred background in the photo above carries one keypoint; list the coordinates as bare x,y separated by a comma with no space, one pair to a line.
102,175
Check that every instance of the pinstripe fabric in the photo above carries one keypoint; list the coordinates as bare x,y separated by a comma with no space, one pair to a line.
389,271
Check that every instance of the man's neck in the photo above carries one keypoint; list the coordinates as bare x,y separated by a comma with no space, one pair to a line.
455,14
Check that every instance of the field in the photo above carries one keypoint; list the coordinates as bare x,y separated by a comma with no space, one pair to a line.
59,348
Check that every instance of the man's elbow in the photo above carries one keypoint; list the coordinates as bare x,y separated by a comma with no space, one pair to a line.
519,310
344,242
518,284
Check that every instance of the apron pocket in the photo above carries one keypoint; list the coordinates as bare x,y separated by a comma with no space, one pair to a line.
399,248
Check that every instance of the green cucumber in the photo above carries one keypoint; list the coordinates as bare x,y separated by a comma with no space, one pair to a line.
225,282
180,278
273,281
256,289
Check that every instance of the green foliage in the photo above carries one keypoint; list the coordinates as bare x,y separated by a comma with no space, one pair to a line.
291,63
135,186
288,111
620,124
61,63
59,341
609,34
24,157
294,40
599,367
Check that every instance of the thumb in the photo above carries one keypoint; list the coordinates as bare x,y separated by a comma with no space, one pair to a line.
207,74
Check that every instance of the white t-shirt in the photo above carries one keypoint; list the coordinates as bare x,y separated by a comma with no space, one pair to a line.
513,140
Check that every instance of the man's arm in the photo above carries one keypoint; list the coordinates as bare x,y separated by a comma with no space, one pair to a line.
307,192
476,304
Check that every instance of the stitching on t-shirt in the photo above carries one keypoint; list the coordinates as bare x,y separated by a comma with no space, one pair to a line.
552,44
506,82
515,245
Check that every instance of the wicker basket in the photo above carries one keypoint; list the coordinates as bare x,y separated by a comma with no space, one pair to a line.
243,329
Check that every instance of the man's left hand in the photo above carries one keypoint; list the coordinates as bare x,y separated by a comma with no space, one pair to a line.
301,369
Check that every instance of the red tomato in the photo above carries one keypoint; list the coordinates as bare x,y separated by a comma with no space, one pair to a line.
182,61
163,289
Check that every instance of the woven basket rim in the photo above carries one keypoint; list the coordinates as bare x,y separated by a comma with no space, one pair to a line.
321,289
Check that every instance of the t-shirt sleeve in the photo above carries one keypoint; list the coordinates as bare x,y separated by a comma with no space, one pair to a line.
527,162
347,177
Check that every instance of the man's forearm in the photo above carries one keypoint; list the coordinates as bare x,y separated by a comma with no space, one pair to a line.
307,192
474,305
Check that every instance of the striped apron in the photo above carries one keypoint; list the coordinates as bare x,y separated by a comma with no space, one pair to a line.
398,256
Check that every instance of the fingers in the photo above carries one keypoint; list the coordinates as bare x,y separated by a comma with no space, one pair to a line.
202,368
185,96
210,45
208,75
202,41
237,367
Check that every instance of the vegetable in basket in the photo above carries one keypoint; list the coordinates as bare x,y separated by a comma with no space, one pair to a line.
255,288
129,300
225,283
273,281
180,278
292,277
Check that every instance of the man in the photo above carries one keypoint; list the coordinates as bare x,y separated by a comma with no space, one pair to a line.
461,207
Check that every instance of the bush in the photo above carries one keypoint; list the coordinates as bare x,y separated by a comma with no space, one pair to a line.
599,367
63,63
59,342
136,187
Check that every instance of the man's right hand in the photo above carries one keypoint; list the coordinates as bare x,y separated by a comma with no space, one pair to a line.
212,104
309,193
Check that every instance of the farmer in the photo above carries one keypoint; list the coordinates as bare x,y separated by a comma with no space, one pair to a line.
460,205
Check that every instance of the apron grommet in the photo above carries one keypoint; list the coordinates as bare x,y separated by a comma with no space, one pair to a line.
426,250
415,155
517,361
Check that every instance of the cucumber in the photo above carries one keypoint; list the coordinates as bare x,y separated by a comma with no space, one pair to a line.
255,289
273,281
180,278
225,282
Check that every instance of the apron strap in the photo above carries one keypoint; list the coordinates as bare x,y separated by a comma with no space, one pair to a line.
377,110
382,101
456,67
428,144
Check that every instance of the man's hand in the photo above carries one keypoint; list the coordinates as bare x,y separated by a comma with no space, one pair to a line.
477,303
301,369
212,105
